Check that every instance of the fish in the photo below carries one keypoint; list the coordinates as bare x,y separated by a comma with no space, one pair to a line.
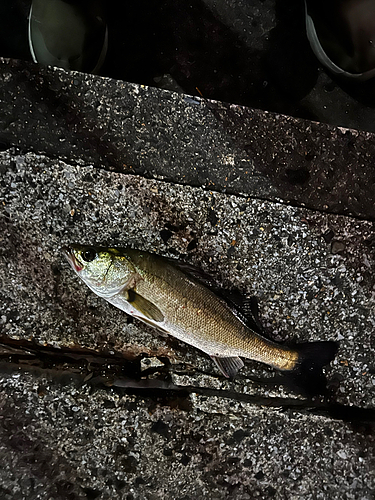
179,299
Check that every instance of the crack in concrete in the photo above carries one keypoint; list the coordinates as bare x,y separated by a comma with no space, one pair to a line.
85,366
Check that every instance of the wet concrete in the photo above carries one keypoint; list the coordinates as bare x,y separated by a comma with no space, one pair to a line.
75,442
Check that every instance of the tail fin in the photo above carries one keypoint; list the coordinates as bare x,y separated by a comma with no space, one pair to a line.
308,374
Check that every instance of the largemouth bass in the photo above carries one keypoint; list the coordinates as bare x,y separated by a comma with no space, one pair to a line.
170,296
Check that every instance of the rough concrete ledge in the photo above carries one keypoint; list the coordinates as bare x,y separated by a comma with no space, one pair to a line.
188,140
185,431
312,273
77,443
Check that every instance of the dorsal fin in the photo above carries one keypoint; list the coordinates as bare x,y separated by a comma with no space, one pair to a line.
246,308
196,274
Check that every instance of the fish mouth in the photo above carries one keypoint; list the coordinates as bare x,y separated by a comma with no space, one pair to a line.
71,258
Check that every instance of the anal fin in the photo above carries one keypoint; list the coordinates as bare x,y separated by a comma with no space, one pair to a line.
229,367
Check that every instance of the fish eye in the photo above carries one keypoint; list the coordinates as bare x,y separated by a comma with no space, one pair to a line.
88,255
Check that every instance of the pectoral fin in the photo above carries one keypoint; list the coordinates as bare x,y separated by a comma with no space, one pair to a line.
228,366
144,306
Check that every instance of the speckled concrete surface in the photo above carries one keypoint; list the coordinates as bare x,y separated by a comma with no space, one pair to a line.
312,273
187,140
72,442
313,276
278,253
95,405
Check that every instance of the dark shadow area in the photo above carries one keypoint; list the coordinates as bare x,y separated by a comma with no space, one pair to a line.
186,40
289,63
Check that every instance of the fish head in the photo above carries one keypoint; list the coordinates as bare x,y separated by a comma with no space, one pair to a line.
105,270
